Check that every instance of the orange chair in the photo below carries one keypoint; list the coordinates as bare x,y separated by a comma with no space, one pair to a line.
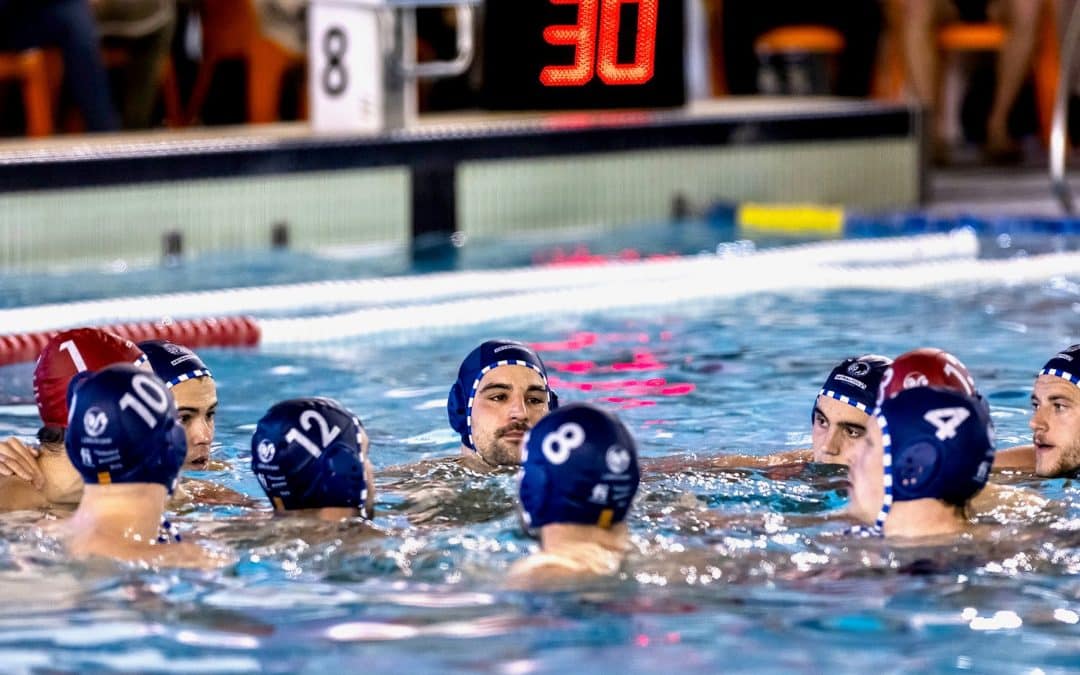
800,39
30,69
972,37
230,30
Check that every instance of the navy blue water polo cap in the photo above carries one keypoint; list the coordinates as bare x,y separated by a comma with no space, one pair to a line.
938,444
488,356
173,363
856,380
122,428
581,466
308,453
1065,364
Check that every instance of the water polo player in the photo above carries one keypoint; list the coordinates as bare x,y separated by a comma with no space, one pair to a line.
40,477
578,479
311,454
192,386
125,442
500,393
927,453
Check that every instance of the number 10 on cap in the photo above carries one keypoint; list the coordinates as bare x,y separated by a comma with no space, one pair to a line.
345,71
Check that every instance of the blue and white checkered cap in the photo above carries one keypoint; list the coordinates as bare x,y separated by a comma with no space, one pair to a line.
174,363
1065,364
856,380
480,361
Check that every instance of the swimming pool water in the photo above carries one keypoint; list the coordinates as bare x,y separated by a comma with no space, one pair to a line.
733,570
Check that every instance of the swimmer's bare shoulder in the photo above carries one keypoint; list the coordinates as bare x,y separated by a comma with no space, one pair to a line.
1021,457
1009,503
186,555
542,571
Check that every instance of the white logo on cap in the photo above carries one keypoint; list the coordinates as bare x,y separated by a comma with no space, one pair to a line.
599,494
858,369
94,421
915,379
86,458
172,349
618,459
266,452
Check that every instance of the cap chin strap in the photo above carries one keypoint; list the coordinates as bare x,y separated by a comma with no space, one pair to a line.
476,385
887,477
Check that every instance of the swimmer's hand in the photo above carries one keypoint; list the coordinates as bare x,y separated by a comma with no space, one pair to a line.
197,491
20,460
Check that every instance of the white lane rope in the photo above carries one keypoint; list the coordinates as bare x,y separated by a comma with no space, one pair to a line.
735,278
432,288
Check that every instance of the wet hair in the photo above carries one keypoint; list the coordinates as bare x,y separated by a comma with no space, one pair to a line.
50,434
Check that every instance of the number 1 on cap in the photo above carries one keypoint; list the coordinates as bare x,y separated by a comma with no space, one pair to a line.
73,351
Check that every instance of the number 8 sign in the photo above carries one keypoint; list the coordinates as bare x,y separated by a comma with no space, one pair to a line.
345,66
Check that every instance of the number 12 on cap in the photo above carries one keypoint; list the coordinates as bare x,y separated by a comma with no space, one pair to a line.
345,67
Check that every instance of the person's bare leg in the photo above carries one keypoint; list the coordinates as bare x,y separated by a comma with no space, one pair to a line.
918,37
1013,66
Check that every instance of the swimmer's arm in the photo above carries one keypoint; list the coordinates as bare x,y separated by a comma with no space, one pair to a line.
181,554
197,491
18,495
736,461
20,460
1020,457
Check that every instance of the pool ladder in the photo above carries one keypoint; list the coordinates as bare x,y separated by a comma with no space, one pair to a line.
1059,130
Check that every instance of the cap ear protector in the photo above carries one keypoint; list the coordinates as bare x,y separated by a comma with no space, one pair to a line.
937,444
480,361
856,380
580,466
308,453
1064,364
123,428
173,363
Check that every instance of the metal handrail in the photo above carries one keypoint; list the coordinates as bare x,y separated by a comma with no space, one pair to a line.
1059,131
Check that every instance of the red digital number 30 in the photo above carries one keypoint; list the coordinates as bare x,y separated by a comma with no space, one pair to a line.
602,15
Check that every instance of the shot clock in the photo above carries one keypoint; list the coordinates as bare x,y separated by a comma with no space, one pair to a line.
573,54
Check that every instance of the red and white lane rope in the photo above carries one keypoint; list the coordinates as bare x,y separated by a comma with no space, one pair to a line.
430,302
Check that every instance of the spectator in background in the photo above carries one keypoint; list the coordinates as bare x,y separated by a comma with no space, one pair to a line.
920,20
69,26
859,21
143,29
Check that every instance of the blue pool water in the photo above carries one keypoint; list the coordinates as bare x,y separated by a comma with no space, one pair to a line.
733,570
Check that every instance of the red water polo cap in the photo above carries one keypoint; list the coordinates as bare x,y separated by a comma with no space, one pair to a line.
926,367
71,352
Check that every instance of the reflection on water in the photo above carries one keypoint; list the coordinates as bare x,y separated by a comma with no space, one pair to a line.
732,569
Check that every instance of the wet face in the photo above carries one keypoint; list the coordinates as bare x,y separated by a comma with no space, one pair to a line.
509,401
836,429
196,403
867,474
1055,425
